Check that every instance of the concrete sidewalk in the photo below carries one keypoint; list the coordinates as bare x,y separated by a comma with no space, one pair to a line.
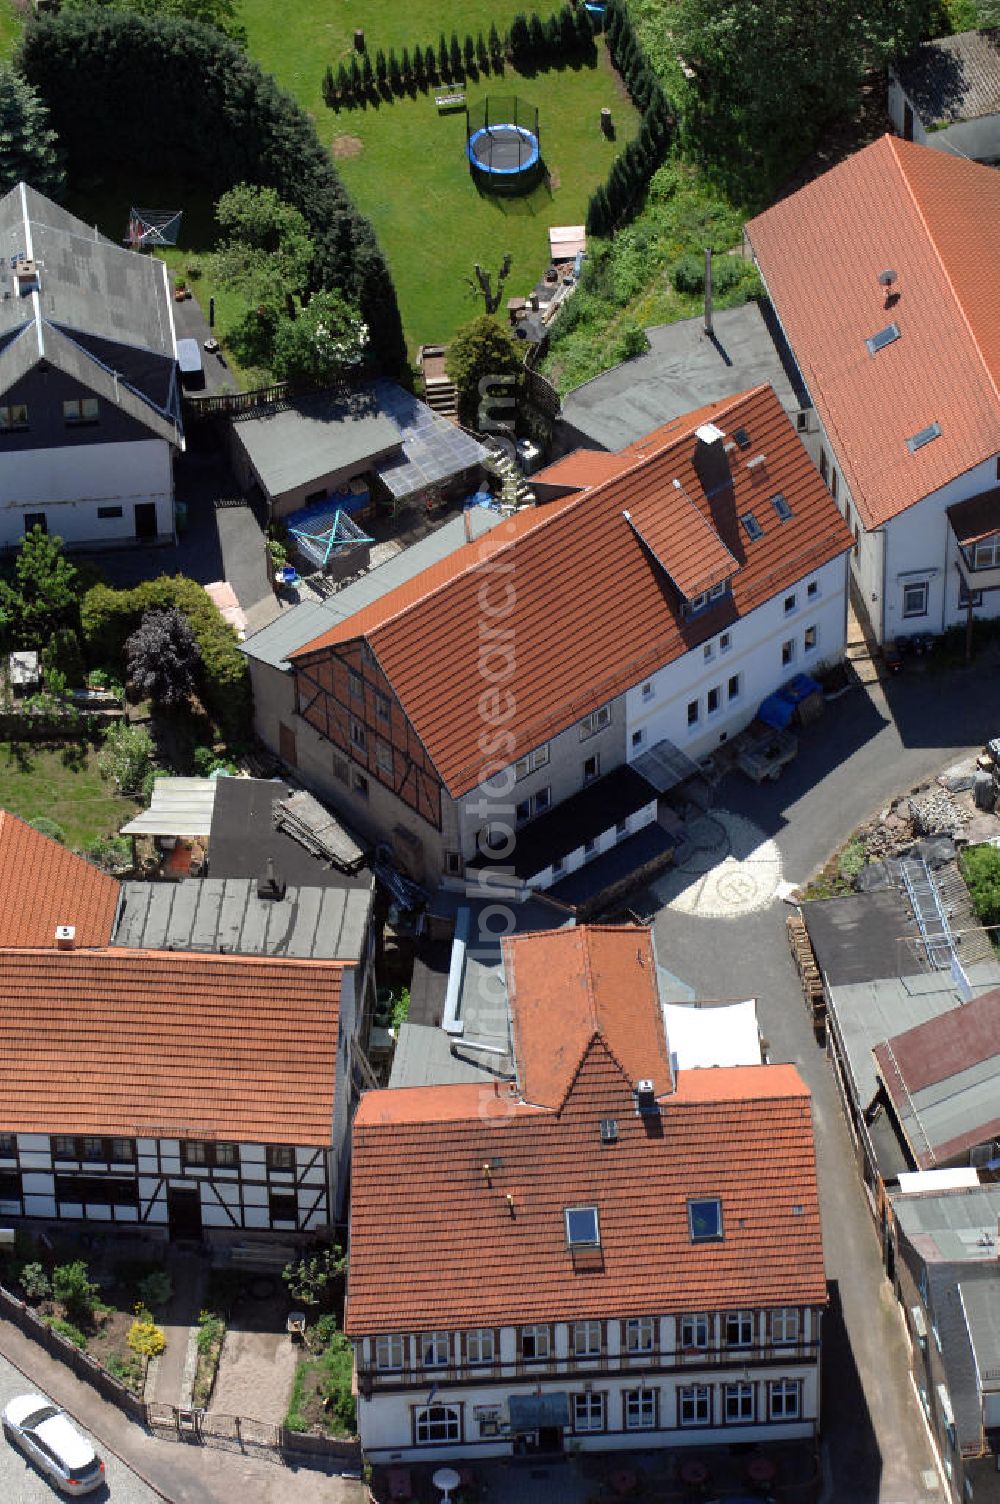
181,1473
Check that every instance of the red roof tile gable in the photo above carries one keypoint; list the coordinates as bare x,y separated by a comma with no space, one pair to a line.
578,564
934,220
43,885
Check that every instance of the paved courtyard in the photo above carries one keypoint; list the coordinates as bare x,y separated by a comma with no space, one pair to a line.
722,933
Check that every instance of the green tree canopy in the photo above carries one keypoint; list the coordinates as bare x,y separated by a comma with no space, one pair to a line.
768,76
485,362
323,342
29,150
266,252
222,14
45,594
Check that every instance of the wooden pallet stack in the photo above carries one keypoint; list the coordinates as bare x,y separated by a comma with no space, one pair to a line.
805,962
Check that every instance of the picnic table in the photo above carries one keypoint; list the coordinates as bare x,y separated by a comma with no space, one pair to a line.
453,99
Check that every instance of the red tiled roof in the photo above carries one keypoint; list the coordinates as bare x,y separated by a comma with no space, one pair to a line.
168,1044
43,885
934,219
434,1243
580,469
565,986
915,1064
576,565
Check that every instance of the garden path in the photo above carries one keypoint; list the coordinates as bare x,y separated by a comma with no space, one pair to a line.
171,1384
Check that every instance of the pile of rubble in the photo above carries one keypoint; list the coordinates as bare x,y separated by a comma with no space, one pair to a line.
945,808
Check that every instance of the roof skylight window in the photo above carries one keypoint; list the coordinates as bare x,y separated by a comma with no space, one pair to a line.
751,526
884,337
742,438
705,1220
781,508
582,1229
932,431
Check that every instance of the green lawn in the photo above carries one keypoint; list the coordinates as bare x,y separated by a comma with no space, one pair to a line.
410,176
10,28
63,784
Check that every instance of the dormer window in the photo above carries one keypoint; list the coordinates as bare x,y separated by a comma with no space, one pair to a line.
705,1220
706,598
582,1229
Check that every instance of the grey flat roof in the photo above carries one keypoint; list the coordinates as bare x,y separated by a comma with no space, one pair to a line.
430,1056
225,914
868,1013
243,837
952,1227
684,369
864,937
981,1301
293,629
293,445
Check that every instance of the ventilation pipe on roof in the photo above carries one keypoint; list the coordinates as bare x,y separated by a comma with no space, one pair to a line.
65,936
708,290
645,1096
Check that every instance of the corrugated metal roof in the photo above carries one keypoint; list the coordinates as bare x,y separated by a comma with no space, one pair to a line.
275,643
226,915
179,807
954,78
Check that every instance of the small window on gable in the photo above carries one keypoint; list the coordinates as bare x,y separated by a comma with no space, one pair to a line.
781,508
705,1220
582,1229
751,526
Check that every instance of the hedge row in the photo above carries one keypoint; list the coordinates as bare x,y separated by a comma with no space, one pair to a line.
616,200
109,616
531,43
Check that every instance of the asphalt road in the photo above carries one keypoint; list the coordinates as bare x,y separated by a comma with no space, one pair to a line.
21,1484
866,748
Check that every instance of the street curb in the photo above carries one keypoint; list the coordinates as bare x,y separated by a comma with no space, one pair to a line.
132,1467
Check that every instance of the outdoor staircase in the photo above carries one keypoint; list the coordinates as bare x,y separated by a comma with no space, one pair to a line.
441,396
515,491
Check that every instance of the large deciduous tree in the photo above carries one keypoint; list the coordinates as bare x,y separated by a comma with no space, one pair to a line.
222,14
266,253
161,656
29,150
325,341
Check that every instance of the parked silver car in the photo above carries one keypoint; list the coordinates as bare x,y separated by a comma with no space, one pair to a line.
52,1442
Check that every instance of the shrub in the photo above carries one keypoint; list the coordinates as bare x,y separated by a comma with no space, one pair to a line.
35,1282
113,853
211,1330
145,1337
156,1289
66,1329
127,1370
126,757
631,341
47,827
688,274
310,1279
981,869
72,1287
325,1330
62,654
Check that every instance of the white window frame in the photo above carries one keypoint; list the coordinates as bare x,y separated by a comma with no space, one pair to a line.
694,1405
692,1325
596,721
744,1324
784,1399
533,805
639,1409
435,1349
386,1349
595,758
725,642
731,693
812,590
711,709
446,1418
785,1326
480,1345
647,690
788,652
807,646
791,603
531,762
13,416
595,1241
587,1339
692,720
925,588
589,1413
989,548
739,1403
640,1336
540,1337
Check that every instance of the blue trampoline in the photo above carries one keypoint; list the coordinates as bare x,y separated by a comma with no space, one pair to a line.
502,144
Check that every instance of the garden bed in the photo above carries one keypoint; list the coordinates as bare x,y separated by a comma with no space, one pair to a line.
322,1402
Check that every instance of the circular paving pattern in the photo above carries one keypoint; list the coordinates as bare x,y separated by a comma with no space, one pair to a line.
732,870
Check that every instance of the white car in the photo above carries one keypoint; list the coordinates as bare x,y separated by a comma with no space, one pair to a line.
52,1442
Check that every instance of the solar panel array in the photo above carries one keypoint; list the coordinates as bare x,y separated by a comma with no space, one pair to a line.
433,448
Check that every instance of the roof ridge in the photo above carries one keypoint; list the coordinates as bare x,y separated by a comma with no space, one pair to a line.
894,143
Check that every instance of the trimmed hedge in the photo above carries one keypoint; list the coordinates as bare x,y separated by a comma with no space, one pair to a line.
110,616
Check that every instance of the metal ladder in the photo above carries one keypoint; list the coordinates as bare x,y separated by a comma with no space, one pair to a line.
932,921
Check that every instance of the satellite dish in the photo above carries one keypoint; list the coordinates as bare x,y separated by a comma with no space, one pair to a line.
887,278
